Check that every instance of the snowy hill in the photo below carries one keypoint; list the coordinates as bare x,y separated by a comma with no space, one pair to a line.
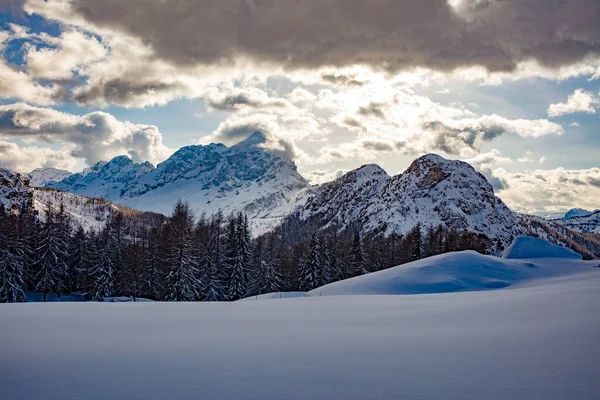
433,191
244,177
526,261
42,176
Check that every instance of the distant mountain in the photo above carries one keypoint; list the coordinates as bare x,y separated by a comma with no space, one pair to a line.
580,220
244,177
90,213
433,191
40,177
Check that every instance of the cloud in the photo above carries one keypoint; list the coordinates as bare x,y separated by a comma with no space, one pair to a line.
70,51
236,98
394,35
15,83
485,160
550,190
463,136
578,102
94,137
25,159
238,128
373,109
342,79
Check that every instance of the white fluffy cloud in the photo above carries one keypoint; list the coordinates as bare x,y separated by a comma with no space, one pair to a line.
550,190
25,159
94,137
578,102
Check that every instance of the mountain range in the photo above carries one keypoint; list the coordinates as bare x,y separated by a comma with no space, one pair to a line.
246,177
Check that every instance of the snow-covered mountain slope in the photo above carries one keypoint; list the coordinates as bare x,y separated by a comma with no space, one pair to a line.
244,177
433,191
42,176
588,222
467,271
574,212
88,212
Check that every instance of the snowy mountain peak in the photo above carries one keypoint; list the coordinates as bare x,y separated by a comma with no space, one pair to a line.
42,176
433,191
244,177
252,141
577,212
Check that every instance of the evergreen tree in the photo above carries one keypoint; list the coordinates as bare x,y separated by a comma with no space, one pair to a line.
181,280
416,242
237,257
51,256
77,263
271,277
212,265
11,261
357,259
152,272
101,267
310,266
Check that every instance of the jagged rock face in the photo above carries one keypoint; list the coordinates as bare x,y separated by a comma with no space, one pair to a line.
433,191
14,188
244,177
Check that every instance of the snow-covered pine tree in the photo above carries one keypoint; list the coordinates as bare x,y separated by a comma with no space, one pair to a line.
237,274
256,278
28,227
152,267
63,233
310,266
101,267
271,276
11,260
357,259
51,250
327,272
77,261
182,279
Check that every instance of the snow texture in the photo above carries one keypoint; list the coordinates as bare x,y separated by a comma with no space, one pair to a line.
536,341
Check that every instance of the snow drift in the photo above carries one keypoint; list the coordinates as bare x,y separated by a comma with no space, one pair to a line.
466,271
524,247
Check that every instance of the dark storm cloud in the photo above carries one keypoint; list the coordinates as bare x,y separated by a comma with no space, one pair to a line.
455,140
594,182
233,102
373,109
343,79
120,91
384,33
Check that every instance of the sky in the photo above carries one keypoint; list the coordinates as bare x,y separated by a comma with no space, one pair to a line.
510,86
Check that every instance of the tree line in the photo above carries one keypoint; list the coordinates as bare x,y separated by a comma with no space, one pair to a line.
183,258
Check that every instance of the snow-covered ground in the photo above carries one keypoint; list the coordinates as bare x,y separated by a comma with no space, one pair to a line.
538,341
536,337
